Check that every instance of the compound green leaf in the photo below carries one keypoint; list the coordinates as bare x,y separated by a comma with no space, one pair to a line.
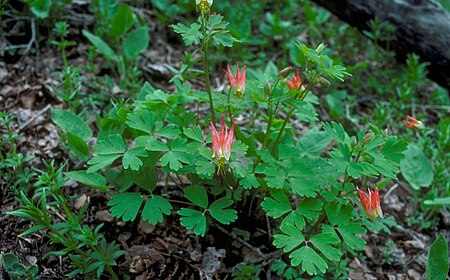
309,260
191,35
142,120
278,205
291,238
323,242
310,208
219,212
348,233
131,158
125,205
154,209
193,219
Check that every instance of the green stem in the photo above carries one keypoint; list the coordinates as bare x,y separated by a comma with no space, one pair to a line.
302,94
206,71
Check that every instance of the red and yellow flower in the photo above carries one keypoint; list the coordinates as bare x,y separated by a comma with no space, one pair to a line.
221,143
371,203
237,82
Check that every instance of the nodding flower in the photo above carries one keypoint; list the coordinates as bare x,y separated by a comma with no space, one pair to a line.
237,83
221,143
411,122
371,203
296,81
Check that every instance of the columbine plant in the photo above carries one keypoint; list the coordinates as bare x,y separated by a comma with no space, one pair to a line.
304,180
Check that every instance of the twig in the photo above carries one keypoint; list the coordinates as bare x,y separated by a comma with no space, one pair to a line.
38,114
27,47
390,191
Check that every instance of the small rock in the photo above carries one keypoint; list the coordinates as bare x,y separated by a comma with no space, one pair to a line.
414,275
212,261
416,244
145,227
104,216
80,201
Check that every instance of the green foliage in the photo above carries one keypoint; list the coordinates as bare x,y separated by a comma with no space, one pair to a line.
16,270
437,263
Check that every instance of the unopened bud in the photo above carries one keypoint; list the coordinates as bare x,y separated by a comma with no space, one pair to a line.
267,89
285,72
368,137
324,81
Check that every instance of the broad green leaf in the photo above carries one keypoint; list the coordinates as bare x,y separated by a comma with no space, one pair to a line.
309,260
131,158
154,209
291,238
90,179
69,122
142,120
278,206
197,195
122,20
78,146
350,239
416,168
174,160
191,35
136,42
193,219
100,45
125,205
437,263
323,242
219,212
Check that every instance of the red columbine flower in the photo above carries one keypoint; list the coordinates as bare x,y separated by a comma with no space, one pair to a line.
237,84
371,203
411,122
296,82
221,144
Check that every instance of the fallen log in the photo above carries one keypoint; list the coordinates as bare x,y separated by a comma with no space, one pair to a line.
421,27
